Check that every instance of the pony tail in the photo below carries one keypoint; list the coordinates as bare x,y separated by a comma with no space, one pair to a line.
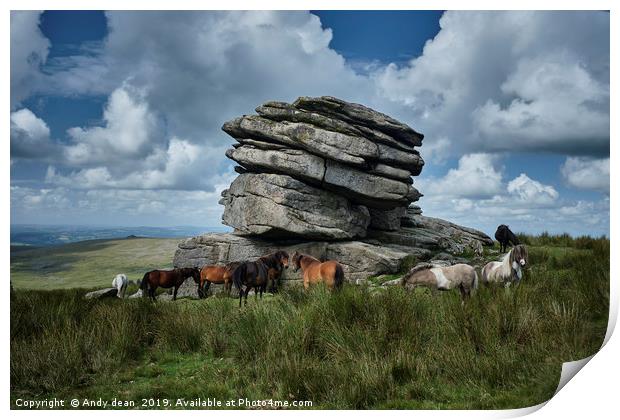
263,270
338,277
237,276
144,282
475,279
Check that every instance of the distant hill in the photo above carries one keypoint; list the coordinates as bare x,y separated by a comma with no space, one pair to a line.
45,235
88,264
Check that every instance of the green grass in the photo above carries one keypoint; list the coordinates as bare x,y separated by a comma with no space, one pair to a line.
359,348
88,264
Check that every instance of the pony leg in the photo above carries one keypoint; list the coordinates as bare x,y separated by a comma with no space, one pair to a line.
174,294
206,289
247,291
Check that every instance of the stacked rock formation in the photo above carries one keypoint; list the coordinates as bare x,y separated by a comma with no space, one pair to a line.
330,178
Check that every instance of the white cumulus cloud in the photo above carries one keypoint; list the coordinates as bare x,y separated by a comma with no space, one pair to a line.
511,81
532,192
587,174
30,136
29,50
130,131
475,176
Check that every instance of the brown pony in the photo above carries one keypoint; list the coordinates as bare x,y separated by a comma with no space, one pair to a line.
252,274
218,274
166,279
315,271
275,264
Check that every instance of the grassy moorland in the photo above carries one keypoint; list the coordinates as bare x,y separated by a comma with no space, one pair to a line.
363,347
88,264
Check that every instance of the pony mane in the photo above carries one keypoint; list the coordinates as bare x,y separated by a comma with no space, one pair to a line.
416,269
506,264
420,267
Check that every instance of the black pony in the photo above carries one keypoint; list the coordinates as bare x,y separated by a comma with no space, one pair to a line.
252,274
505,237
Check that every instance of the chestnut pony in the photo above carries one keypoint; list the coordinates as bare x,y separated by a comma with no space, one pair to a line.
315,271
275,264
218,274
166,279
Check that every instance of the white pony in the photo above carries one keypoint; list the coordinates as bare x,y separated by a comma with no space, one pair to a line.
509,269
435,278
120,284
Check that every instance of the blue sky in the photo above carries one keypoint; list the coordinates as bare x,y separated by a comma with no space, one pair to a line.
114,114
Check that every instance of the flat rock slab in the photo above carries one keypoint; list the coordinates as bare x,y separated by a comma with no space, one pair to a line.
275,206
348,149
432,233
360,115
362,187
103,293
282,111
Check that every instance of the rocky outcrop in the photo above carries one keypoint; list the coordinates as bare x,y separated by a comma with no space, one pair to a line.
326,152
327,178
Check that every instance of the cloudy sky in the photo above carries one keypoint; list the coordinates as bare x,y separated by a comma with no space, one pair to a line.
115,117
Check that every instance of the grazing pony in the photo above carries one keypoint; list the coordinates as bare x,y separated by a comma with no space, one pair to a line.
166,279
328,272
505,237
463,276
275,264
120,284
252,274
507,270
218,274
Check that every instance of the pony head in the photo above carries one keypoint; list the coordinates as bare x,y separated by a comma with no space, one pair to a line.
296,260
518,255
282,257
192,272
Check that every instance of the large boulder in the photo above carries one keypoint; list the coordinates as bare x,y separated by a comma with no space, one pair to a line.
274,205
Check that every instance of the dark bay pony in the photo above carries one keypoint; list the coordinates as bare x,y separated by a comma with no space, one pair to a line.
218,274
275,263
505,237
328,272
166,279
251,274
